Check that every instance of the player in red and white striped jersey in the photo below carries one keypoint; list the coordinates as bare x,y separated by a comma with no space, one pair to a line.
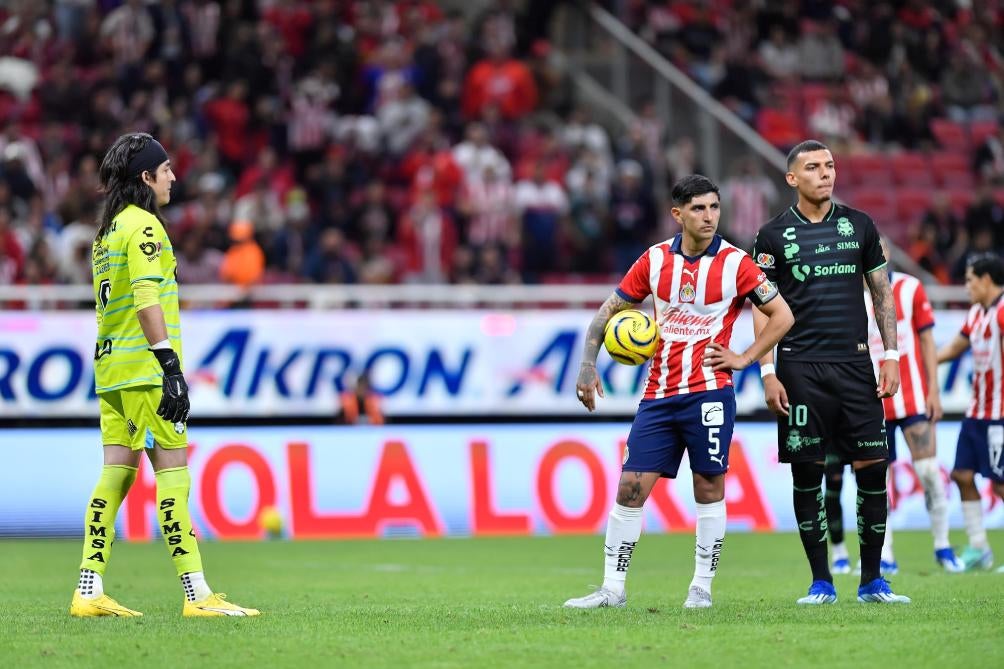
697,300
699,284
981,438
914,409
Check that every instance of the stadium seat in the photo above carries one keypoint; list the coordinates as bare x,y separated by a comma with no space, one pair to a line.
913,170
960,198
952,170
785,94
865,170
980,130
879,203
951,135
911,203
813,95
782,128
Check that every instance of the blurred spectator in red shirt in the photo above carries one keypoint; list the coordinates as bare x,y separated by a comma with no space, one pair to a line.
430,165
228,117
428,237
11,254
292,20
499,79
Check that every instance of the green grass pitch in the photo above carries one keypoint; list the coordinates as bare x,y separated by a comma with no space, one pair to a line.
493,603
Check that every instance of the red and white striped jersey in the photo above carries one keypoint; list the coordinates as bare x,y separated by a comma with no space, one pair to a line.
697,300
983,327
913,316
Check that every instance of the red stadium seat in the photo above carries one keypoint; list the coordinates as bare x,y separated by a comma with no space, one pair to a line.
865,170
912,169
980,130
813,95
960,198
879,203
911,203
951,135
952,170
785,94
782,128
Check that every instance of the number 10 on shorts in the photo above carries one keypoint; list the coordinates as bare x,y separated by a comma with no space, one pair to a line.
798,415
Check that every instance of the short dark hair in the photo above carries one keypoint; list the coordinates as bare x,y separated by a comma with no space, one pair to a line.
805,147
690,186
988,263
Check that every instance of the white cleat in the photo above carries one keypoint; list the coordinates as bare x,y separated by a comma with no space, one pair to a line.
599,599
949,561
820,592
697,598
879,592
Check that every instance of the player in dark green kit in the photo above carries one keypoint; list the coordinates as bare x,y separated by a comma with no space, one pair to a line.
824,389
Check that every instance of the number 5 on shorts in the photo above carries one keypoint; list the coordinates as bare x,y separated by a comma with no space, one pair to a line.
715,450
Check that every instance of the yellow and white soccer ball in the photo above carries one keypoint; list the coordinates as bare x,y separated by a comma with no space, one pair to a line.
631,337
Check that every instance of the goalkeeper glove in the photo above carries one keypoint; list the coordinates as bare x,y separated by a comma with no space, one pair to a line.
174,404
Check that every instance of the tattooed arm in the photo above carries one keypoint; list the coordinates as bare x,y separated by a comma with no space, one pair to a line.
885,316
589,380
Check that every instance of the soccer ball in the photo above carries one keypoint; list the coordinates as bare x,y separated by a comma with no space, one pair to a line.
270,520
631,337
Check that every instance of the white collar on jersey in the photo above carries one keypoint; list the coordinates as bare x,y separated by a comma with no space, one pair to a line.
677,245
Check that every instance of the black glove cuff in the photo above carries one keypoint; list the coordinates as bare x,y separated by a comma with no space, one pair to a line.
168,360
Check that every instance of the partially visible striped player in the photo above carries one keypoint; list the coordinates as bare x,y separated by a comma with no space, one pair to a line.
981,438
699,284
141,390
914,409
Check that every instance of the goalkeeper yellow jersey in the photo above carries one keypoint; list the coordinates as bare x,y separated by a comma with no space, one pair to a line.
136,247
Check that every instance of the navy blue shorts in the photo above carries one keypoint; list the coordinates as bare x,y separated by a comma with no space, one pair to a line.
981,448
901,423
699,423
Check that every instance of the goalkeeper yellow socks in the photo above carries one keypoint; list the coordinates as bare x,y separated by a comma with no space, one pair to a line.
175,522
99,526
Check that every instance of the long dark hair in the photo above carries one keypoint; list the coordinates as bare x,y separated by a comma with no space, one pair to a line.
120,188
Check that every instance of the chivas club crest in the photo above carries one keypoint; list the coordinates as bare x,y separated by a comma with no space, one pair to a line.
687,293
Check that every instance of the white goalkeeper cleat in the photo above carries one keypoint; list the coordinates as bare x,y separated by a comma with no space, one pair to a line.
597,600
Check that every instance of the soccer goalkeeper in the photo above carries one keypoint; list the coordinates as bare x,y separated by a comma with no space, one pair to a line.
141,390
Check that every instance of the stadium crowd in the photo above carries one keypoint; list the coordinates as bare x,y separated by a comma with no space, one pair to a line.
378,141
909,95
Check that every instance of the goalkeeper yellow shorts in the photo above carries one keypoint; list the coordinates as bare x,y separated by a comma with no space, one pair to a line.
129,418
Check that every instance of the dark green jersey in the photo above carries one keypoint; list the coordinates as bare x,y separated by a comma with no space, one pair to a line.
818,268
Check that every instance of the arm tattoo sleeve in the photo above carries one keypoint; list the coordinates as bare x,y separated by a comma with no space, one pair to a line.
594,335
885,310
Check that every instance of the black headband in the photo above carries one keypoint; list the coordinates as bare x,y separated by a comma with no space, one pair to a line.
148,159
